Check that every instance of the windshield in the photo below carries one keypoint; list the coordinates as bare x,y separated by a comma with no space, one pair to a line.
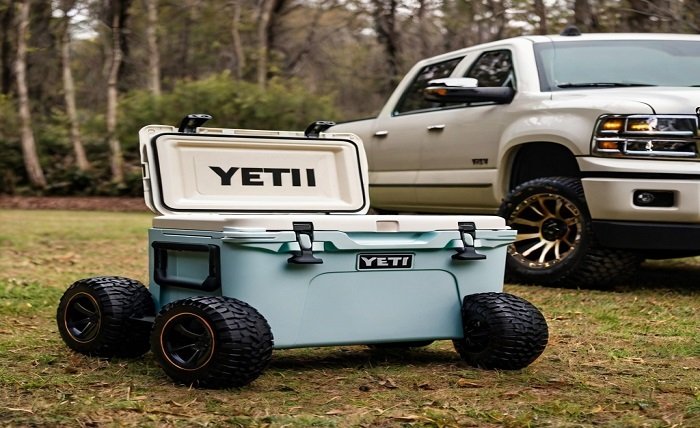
617,63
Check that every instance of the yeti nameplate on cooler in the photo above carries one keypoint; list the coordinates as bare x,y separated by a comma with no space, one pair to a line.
373,261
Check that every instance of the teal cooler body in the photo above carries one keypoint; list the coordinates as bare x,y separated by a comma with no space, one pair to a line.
295,242
371,287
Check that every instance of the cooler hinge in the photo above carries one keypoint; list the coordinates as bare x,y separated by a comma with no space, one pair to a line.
467,252
305,238
315,128
191,122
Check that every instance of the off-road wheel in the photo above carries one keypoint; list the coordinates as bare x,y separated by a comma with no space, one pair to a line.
555,243
96,316
501,331
213,342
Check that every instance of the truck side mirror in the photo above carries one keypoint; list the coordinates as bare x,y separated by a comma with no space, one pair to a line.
465,90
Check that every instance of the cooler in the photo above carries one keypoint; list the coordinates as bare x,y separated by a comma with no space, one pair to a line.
279,221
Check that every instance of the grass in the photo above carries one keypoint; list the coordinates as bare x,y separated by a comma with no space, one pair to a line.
627,357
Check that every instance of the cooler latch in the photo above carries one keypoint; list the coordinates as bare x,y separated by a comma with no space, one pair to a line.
305,238
467,252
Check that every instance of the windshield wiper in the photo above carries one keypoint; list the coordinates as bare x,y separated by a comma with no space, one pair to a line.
602,85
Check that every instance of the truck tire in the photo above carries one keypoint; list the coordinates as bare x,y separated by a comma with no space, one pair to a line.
555,245
501,331
96,316
213,342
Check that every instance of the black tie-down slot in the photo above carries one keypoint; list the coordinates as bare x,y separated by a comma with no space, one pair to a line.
160,265
467,252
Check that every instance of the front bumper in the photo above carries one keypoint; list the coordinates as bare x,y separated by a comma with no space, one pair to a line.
620,220
671,237
610,186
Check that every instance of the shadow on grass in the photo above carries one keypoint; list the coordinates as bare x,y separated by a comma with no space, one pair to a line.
676,275
354,357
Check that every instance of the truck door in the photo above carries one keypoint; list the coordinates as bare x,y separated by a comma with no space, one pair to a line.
459,155
396,141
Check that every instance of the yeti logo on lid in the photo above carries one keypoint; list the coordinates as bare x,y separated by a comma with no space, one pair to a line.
267,176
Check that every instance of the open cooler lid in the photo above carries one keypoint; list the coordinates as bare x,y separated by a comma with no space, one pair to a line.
219,170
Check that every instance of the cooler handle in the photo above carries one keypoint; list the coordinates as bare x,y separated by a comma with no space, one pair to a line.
160,265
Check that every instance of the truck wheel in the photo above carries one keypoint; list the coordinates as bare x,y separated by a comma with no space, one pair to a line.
96,315
555,243
214,342
501,331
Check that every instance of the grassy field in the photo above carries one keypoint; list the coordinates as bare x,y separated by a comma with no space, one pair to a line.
629,357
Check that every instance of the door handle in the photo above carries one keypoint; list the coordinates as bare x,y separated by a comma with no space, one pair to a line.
381,134
436,128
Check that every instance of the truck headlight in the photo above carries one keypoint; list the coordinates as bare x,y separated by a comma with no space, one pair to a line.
646,136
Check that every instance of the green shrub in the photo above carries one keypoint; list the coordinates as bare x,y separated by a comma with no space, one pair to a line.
285,104
11,163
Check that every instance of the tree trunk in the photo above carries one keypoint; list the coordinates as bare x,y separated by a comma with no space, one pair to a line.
584,18
541,12
692,10
184,50
638,16
237,43
29,152
310,44
498,19
69,95
264,18
421,15
388,36
116,156
153,51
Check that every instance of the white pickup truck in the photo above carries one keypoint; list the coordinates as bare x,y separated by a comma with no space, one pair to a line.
588,145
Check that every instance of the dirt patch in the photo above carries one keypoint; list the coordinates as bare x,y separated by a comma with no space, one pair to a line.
83,203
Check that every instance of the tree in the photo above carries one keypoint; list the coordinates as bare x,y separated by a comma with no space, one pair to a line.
266,13
153,50
29,151
541,12
384,13
239,54
117,14
81,160
584,18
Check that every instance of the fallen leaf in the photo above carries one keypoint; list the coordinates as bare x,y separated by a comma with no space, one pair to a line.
463,383
388,383
16,409
337,397
407,418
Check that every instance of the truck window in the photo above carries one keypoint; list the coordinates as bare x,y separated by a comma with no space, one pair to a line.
412,100
577,65
494,68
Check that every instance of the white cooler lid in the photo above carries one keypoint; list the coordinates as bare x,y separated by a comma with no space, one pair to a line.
244,171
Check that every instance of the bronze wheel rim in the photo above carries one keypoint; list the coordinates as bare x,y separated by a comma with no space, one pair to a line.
549,230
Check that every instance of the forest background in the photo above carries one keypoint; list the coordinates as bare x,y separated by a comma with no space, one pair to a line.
79,78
